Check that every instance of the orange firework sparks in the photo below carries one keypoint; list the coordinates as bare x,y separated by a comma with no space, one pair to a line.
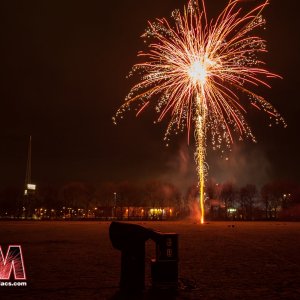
197,68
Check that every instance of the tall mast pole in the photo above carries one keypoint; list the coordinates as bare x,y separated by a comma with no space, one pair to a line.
28,167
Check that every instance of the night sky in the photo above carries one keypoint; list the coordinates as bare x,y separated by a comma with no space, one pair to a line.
63,76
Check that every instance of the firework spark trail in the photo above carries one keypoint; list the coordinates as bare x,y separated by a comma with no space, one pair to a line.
196,68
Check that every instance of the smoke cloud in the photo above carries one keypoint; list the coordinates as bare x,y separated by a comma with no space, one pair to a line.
246,163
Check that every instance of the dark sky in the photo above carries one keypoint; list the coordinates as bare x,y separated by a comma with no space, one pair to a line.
63,76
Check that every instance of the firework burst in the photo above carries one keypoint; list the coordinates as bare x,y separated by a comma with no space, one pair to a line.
202,73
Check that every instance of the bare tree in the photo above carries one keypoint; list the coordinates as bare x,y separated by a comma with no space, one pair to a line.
77,195
153,195
278,195
248,196
227,195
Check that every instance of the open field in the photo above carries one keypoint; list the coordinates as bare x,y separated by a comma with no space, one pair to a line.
75,260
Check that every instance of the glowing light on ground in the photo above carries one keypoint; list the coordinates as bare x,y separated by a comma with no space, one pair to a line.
201,73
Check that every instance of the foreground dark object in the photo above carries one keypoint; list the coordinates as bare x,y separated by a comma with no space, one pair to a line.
130,240
76,260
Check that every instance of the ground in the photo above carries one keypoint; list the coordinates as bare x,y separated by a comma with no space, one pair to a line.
218,260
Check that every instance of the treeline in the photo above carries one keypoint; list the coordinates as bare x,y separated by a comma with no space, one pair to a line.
276,199
85,196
